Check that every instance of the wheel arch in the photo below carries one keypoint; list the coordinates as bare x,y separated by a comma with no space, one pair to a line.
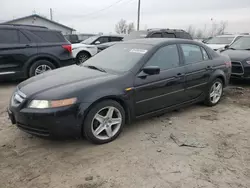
41,57
219,74
119,100
84,51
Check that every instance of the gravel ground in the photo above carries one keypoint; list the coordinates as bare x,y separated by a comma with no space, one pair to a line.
195,147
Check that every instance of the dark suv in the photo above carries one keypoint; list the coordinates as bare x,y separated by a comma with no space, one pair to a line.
26,50
151,33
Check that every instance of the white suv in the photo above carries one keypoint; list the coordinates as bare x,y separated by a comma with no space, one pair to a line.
220,41
82,52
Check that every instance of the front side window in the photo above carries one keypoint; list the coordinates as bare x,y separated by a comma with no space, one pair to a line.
192,53
103,39
168,35
156,35
8,36
166,58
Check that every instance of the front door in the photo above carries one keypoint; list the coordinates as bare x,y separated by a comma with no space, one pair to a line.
199,68
155,92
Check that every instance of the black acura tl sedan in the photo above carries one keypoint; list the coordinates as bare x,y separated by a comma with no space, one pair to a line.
130,80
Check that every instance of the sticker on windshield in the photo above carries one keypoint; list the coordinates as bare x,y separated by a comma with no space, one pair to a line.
140,51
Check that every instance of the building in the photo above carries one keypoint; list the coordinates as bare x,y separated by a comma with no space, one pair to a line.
35,19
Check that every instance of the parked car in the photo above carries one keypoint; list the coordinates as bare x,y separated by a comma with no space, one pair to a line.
86,49
219,42
100,39
239,52
26,50
131,80
151,33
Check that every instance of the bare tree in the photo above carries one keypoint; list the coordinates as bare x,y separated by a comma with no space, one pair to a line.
121,27
191,31
222,27
131,27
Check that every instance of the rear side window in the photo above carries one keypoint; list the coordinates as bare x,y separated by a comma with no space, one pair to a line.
192,53
168,35
166,57
156,35
49,36
8,36
22,38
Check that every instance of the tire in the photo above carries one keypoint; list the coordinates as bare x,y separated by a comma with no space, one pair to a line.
210,98
39,65
82,57
92,126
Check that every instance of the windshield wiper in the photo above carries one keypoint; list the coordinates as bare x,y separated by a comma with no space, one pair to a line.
247,49
95,68
230,48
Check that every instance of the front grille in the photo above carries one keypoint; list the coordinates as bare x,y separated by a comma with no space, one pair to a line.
237,68
37,131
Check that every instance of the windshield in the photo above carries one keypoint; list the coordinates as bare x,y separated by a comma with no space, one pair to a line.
90,40
136,35
242,43
220,40
119,58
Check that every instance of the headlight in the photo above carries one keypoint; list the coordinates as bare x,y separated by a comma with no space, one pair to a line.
42,104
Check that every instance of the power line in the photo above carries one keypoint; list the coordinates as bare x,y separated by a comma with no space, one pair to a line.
101,15
103,9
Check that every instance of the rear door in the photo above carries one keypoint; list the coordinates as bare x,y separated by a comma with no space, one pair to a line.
156,92
15,50
198,66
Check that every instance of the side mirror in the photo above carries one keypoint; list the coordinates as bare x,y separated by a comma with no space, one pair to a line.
97,42
226,47
151,70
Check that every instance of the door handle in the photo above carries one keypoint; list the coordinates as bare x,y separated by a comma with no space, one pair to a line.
27,45
209,68
180,75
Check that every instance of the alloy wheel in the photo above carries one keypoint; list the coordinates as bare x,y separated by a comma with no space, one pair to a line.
41,69
216,92
106,123
82,58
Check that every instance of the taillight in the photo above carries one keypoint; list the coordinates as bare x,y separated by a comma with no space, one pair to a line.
67,47
228,64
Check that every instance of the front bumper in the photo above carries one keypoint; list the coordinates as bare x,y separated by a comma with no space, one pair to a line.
59,122
240,70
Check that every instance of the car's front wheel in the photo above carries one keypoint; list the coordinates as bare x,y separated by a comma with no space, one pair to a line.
214,93
104,122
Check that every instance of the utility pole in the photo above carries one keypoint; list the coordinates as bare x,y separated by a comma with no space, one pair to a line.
51,14
138,16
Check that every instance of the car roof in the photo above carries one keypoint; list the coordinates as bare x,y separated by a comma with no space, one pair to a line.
110,35
158,41
28,27
231,35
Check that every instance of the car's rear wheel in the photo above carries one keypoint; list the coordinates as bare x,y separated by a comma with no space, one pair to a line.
104,122
82,57
40,67
214,93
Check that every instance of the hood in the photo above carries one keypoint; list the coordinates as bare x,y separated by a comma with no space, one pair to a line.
237,55
216,46
75,77
78,45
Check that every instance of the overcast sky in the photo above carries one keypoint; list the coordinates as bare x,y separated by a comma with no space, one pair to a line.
85,15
